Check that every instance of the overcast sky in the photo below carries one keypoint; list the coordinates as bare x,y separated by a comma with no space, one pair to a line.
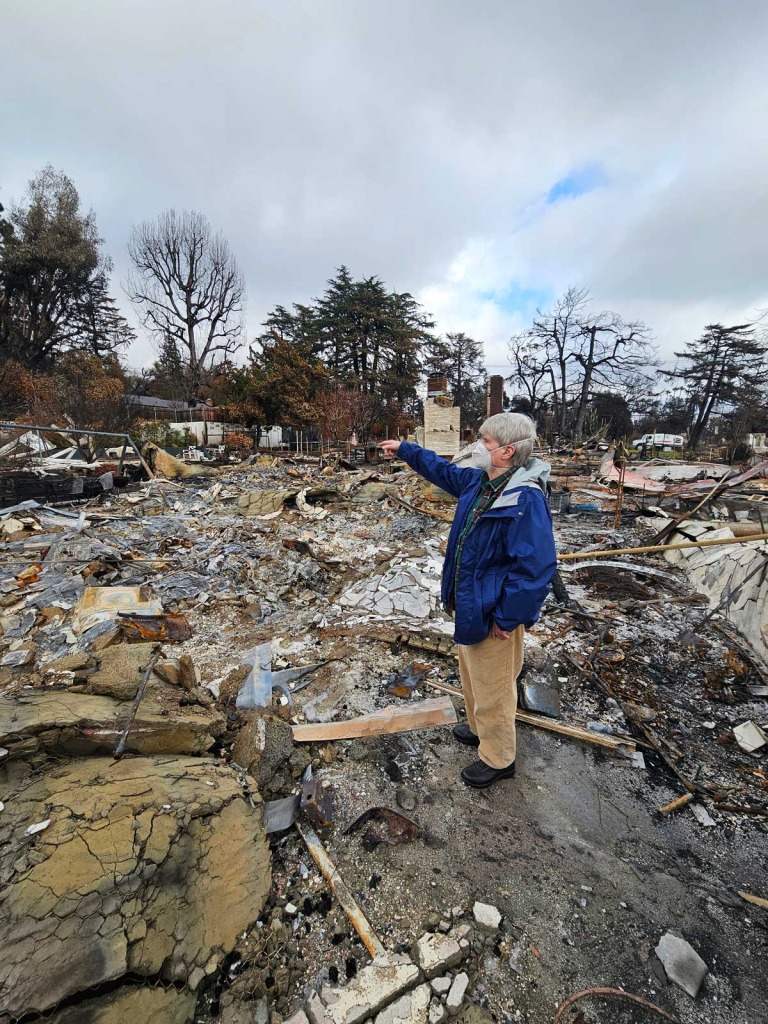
483,156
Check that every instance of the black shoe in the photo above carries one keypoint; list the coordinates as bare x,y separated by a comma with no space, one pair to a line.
480,775
464,735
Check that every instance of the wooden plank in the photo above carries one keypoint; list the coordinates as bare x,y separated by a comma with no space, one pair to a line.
575,732
573,555
675,805
427,714
758,901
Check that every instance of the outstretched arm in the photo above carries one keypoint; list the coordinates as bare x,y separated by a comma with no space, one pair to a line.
431,466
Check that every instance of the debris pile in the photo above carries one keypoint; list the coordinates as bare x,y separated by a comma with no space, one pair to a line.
174,656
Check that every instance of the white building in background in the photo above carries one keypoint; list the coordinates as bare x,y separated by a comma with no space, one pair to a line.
204,432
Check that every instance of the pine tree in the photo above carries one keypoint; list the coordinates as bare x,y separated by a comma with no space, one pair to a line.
54,278
724,366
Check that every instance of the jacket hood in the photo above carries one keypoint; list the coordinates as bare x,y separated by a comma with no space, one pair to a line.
535,473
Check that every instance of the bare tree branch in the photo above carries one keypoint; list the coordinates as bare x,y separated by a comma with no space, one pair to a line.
187,287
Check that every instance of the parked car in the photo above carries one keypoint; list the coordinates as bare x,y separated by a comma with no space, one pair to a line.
666,442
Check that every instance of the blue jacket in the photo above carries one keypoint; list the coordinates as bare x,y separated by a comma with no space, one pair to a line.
508,559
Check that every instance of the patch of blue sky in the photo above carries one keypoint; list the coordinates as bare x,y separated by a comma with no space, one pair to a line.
516,299
578,183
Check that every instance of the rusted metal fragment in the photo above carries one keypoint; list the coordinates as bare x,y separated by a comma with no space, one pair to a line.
316,802
402,684
120,747
140,628
299,546
399,828
427,714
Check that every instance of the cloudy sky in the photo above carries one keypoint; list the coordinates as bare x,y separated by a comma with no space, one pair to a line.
483,156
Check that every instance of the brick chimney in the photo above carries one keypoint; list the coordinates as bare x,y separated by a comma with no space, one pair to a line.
495,394
437,384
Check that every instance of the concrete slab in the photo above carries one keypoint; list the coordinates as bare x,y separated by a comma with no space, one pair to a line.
457,993
373,988
411,1008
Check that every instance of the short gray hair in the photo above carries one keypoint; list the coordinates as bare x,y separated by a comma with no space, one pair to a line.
512,428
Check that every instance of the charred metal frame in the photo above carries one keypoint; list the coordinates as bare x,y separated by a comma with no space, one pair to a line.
126,439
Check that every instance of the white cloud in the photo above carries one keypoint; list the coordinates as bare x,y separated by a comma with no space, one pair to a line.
417,141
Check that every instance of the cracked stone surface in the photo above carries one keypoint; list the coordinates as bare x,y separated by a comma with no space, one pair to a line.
131,1003
151,866
120,670
63,722
406,588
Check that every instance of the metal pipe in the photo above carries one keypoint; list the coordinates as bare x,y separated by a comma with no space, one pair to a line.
340,890
62,430
571,556
120,748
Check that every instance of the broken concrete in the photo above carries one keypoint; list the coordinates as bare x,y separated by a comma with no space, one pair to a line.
373,988
750,736
435,953
486,917
457,993
682,963
411,1008
263,746
150,866
120,670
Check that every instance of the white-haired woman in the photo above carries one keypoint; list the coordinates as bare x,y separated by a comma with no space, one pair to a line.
499,564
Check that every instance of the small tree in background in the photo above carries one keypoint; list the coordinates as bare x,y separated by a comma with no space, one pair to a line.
82,391
339,410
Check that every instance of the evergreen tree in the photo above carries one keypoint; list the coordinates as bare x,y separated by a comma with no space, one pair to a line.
167,375
54,278
368,338
721,369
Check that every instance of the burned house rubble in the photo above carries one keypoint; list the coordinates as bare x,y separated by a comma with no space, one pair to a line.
229,786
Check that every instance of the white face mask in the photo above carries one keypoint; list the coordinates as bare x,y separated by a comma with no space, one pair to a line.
481,456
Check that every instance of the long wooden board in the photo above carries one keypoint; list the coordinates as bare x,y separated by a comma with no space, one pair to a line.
427,714
576,732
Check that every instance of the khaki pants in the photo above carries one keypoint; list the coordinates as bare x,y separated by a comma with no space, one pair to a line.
489,672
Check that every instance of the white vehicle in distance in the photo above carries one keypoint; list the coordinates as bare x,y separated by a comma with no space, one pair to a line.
666,442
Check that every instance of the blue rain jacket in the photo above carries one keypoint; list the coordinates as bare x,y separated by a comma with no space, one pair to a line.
508,559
